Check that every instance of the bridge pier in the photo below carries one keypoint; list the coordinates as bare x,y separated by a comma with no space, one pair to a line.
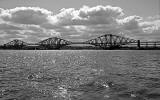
155,45
146,44
138,44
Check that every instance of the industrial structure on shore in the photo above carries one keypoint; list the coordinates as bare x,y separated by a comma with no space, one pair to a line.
107,41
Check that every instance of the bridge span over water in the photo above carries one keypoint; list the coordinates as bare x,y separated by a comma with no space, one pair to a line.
107,41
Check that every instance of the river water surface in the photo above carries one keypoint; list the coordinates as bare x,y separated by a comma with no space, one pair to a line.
79,75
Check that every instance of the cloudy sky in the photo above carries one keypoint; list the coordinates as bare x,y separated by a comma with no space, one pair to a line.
78,20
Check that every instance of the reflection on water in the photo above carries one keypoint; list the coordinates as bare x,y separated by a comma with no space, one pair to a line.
79,75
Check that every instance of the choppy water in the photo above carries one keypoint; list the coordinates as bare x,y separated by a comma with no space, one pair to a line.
79,75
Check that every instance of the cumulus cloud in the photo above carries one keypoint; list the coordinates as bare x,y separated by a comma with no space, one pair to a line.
33,24
88,15
26,15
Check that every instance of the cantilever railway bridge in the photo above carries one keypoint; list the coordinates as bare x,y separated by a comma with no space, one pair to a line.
105,41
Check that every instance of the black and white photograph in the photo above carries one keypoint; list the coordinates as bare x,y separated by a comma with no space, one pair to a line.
79,49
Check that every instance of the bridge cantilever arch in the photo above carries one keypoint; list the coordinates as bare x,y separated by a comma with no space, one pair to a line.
105,41
54,43
15,44
111,41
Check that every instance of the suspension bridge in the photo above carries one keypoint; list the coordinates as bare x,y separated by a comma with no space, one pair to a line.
107,41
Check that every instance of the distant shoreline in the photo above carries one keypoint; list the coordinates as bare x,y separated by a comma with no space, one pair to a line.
86,48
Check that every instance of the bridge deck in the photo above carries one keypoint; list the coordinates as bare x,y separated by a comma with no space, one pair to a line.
104,41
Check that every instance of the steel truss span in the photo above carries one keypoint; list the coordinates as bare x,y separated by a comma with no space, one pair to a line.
109,41
16,43
105,41
54,42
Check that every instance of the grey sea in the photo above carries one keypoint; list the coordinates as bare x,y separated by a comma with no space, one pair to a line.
79,75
